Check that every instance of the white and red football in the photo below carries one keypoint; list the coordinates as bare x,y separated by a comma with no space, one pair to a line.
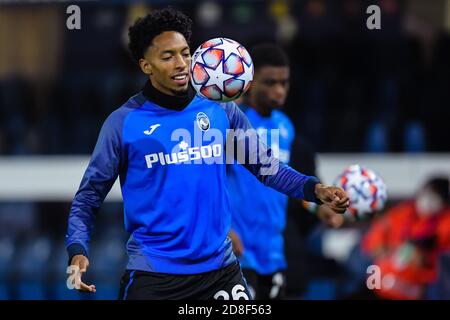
221,70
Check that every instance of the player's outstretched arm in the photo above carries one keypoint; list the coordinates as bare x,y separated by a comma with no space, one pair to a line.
99,177
325,214
259,160
330,217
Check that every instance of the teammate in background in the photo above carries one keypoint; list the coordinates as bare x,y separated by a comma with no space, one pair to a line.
177,212
258,221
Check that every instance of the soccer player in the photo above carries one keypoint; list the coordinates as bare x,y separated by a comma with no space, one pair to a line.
175,198
258,222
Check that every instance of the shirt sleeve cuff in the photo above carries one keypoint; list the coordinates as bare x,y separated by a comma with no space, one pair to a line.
309,190
74,249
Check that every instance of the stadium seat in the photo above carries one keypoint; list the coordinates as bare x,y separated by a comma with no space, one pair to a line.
377,137
7,249
414,138
31,269
320,289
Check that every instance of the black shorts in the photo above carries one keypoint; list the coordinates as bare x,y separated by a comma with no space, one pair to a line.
265,287
223,284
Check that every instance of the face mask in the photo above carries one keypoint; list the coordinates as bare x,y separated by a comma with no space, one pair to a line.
428,203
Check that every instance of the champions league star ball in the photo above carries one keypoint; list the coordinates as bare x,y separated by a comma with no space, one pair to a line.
221,70
366,190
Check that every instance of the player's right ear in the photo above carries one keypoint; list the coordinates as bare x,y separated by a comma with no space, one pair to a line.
145,66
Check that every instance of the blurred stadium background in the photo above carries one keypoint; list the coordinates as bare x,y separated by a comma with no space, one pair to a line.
378,98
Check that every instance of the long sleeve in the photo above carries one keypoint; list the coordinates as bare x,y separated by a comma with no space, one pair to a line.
99,177
245,146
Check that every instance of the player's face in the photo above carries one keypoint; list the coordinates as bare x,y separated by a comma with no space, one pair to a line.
166,62
270,87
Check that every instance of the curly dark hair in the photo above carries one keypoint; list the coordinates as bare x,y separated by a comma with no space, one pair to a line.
144,30
269,54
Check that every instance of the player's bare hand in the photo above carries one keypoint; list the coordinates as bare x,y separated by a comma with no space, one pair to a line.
336,198
330,217
82,263
238,247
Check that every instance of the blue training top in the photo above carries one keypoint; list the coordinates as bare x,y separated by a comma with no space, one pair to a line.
173,179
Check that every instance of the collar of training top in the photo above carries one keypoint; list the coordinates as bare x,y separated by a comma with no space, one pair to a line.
165,100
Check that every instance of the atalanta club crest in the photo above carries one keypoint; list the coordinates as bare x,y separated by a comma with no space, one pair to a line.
202,121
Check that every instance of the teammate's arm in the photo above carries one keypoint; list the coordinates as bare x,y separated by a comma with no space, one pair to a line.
330,217
97,181
275,174
238,246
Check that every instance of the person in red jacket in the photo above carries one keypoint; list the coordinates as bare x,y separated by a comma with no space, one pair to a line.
406,241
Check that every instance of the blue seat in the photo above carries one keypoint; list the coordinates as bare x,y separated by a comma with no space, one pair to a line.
31,267
4,292
320,289
31,290
377,138
414,138
7,249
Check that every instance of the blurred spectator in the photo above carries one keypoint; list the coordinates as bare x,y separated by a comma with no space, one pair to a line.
407,241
